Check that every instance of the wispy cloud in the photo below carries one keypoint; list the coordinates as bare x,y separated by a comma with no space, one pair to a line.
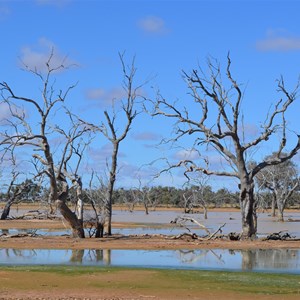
104,98
4,112
103,153
146,136
186,154
36,56
153,25
130,175
278,40
249,131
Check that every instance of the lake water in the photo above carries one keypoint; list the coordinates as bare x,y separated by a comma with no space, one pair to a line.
255,260
150,223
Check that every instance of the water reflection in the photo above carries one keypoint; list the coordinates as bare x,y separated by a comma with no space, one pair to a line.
274,260
265,259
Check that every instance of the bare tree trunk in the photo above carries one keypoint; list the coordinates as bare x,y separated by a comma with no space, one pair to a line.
205,212
280,206
79,210
248,210
280,216
6,210
110,190
71,218
273,207
99,230
146,208
79,202
108,216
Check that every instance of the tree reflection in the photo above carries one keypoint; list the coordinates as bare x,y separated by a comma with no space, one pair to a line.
269,258
77,256
11,253
91,256
192,256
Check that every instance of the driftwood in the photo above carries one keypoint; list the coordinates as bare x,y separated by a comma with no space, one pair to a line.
35,214
181,222
193,236
20,235
281,236
214,233
233,236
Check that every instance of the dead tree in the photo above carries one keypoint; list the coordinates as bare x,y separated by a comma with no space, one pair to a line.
115,131
41,134
12,194
199,193
16,184
281,180
96,196
218,125
141,195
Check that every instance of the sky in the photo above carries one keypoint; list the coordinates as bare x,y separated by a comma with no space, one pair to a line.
165,38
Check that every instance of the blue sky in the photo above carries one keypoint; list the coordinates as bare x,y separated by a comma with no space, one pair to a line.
165,37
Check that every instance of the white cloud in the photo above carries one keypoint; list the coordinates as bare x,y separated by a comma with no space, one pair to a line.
249,131
153,24
95,94
146,136
4,111
190,154
105,97
129,175
278,40
36,57
102,154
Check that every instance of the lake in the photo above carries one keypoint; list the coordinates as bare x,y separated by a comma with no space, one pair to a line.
254,260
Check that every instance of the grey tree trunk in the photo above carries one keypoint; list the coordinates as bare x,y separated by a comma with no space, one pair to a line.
247,203
6,210
280,206
99,230
273,207
71,218
110,189
79,202
205,212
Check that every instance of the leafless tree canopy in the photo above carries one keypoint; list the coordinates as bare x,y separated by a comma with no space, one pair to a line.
217,122
281,180
52,144
115,133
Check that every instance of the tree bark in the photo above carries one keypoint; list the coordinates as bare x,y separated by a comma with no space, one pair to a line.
99,230
79,202
70,217
205,212
6,210
280,206
110,190
273,207
248,212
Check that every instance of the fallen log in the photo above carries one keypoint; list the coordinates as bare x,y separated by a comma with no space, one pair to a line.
181,222
214,233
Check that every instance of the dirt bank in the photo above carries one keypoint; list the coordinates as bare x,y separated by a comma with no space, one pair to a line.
122,242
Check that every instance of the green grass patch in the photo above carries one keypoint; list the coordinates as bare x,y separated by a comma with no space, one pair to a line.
192,280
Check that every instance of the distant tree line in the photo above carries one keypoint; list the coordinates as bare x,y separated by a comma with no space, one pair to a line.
189,199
